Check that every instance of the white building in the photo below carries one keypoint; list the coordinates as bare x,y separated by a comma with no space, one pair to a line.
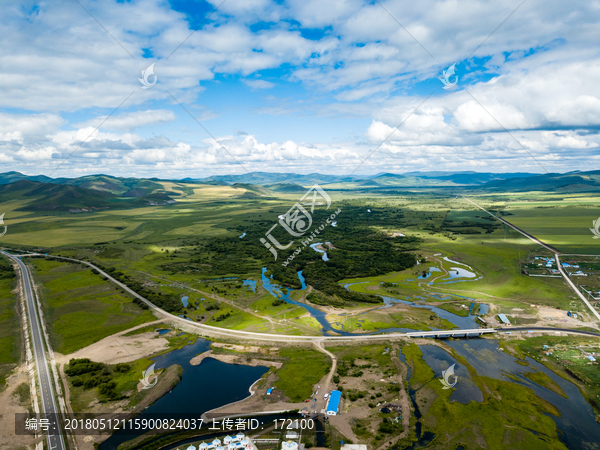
354,447
237,442
289,445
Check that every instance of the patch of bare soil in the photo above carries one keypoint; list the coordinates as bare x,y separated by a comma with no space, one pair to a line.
119,348
234,359
247,348
10,406
257,401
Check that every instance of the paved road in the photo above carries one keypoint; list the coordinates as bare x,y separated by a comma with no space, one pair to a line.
49,404
556,256
565,330
574,288
527,235
275,337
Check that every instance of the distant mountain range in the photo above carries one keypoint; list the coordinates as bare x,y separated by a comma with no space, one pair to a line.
42,193
380,179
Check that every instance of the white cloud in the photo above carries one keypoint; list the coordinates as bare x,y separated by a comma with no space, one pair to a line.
259,84
359,63
130,121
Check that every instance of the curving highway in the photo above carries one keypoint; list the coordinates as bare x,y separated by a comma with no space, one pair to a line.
314,339
48,399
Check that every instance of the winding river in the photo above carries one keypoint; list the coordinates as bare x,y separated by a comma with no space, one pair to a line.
576,425
276,291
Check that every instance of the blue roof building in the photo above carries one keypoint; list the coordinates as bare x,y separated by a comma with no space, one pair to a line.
269,391
503,319
334,403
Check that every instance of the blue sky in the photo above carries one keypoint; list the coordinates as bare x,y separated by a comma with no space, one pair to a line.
298,86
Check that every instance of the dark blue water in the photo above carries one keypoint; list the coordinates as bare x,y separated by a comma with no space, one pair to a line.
577,425
440,360
163,331
203,387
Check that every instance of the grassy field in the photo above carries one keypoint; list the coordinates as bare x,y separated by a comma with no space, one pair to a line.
170,247
565,228
80,307
10,324
301,372
567,360
510,414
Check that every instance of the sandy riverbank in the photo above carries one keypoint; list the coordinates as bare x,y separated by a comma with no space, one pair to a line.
234,359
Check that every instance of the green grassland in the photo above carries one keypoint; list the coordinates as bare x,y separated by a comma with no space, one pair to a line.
194,243
301,372
375,354
411,318
10,322
509,413
80,307
566,228
567,360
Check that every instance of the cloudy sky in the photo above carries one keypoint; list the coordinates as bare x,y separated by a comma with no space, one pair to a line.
298,86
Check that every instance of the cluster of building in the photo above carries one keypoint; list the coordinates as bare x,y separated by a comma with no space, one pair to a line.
237,442
549,262
589,356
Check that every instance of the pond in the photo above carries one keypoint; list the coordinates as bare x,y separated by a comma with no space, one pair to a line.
203,387
428,274
458,272
440,360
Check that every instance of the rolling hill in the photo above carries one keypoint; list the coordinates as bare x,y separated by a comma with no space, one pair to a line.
572,181
60,197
